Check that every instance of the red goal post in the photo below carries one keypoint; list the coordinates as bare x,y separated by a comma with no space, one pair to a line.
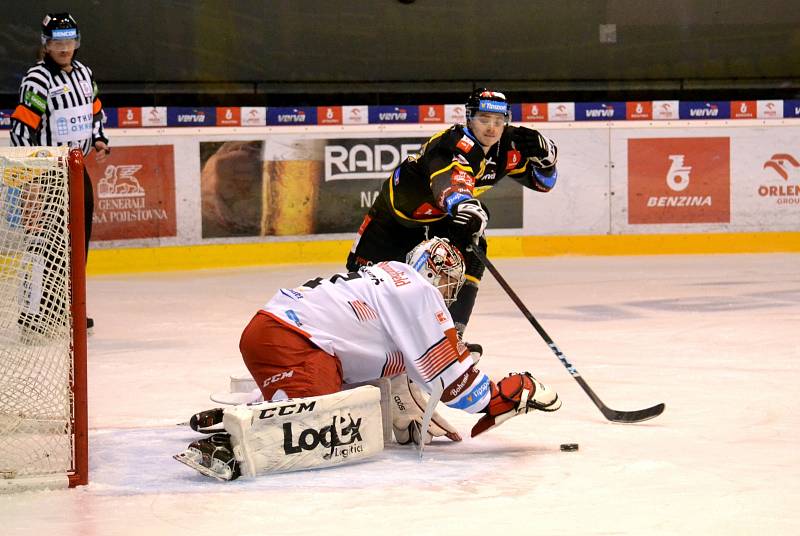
43,381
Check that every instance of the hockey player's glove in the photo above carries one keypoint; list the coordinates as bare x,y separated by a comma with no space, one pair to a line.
470,218
540,150
409,407
514,395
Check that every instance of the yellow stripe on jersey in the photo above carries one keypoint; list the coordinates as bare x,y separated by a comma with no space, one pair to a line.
400,214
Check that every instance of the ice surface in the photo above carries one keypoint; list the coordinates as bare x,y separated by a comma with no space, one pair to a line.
717,338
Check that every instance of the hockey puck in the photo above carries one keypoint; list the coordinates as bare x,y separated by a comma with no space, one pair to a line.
569,447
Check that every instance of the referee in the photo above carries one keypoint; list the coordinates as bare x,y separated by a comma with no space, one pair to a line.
58,103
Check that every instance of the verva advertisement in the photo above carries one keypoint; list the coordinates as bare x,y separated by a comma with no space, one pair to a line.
679,180
134,190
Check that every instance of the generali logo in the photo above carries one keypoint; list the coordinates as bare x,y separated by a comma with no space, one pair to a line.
120,181
678,180
782,168
135,194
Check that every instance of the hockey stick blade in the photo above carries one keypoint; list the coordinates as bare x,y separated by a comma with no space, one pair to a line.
614,415
608,413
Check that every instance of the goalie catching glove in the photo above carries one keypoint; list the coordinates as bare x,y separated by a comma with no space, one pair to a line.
514,395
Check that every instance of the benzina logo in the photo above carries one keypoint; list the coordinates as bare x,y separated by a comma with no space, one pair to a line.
678,180
787,167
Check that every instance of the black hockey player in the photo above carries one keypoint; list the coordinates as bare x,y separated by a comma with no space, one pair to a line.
435,192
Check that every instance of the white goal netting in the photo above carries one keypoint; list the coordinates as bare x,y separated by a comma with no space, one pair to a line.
36,361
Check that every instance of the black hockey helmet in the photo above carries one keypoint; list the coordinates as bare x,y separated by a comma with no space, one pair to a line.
60,26
486,100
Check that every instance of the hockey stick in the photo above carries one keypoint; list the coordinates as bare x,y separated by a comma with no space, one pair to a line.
610,414
436,395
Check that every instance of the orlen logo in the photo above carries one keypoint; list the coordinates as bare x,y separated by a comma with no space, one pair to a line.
356,115
787,167
665,110
782,163
678,180
769,109
561,111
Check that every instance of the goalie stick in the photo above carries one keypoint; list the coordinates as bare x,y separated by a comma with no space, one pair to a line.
610,414
436,395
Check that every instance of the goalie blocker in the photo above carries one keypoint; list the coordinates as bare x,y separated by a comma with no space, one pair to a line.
291,435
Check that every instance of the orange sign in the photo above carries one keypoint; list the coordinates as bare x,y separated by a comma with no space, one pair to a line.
431,113
679,180
329,115
129,117
134,190
639,110
743,109
534,111
228,116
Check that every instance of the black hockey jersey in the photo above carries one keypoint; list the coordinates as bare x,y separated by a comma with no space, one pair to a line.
449,168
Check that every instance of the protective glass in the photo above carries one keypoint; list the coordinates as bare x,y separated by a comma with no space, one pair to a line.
490,120
61,45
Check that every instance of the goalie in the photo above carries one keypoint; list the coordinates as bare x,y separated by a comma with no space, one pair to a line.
385,320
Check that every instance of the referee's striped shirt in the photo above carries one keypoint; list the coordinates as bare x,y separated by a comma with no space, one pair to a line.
51,102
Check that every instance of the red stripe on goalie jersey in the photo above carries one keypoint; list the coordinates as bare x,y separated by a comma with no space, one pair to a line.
438,358
394,364
363,311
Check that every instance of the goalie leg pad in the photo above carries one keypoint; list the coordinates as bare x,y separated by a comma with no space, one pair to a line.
304,433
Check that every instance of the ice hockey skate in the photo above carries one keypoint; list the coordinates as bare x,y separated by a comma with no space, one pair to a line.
212,457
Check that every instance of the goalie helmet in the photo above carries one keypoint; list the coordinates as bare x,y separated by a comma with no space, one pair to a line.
441,264
60,26
486,100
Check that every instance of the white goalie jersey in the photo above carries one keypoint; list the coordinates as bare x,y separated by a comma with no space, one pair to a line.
382,321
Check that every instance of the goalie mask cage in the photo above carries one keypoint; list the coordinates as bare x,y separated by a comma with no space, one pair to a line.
43,413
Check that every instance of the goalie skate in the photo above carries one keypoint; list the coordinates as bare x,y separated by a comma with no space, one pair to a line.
212,457
208,421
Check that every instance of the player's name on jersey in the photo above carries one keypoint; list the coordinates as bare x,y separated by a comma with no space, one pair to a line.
259,116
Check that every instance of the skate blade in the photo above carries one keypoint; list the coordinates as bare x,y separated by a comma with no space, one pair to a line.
186,459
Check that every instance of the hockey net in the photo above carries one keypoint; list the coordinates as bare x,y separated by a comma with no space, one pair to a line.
43,420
